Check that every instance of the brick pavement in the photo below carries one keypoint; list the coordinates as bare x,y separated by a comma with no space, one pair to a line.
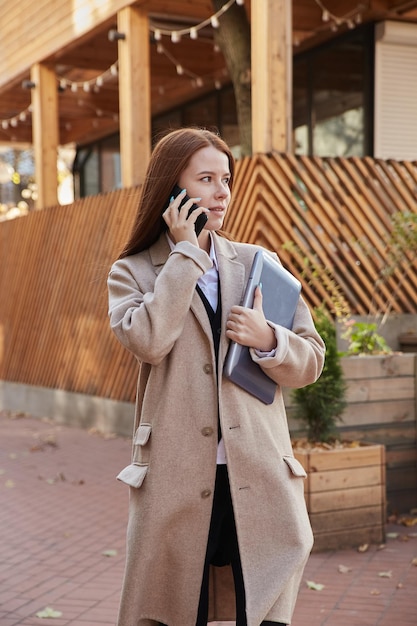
62,532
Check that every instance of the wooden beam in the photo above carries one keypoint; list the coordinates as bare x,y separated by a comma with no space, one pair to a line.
271,75
134,94
45,133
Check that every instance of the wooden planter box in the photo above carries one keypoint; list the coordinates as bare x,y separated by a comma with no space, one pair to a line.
345,495
381,408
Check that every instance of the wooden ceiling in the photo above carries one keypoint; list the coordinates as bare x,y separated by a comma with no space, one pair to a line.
88,115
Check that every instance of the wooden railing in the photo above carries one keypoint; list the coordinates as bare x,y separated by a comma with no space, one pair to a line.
329,219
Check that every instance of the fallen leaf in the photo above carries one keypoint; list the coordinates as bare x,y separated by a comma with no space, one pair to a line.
109,553
354,444
9,484
364,547
408,521
315,586
392,535
16,416
414,561
385,574
60,477
100,433
400,586
381,546
343,569
48,612
44,442
412,535
375,592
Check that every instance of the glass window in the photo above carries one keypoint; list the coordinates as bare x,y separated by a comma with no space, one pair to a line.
301,107
97,167
332,97
110,166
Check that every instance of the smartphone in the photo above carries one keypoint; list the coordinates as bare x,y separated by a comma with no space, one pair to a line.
201,219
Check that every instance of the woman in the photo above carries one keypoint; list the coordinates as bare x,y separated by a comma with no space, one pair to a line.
213,478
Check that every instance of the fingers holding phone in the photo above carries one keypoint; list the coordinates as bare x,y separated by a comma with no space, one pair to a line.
184,218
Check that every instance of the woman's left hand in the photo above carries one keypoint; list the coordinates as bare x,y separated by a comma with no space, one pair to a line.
249,327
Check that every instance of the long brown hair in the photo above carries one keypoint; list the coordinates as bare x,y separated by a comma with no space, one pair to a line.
169,159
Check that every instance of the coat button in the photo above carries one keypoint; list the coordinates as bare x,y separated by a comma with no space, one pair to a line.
207,368
207,431
206,493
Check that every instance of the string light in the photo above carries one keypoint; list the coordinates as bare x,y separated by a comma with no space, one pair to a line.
12,122
91,84
97,82
192,31
196,81
350,19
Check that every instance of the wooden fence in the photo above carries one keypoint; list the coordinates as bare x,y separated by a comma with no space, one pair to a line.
329,219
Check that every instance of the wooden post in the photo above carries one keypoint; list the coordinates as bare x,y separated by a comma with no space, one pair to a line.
45,133
134,94
271,50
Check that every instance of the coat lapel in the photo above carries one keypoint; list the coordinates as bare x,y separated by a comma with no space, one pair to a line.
232,284
159,254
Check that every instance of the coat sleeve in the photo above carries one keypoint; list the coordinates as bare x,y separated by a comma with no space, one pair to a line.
300,352
147,312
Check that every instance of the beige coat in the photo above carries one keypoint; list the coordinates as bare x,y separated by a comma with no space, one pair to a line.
157,314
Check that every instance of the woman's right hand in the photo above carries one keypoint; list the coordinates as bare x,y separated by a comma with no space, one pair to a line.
180,227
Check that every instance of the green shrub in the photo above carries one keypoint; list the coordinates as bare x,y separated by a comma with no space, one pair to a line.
363,338
320,405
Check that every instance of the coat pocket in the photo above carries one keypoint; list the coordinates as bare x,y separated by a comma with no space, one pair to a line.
134,474
295,466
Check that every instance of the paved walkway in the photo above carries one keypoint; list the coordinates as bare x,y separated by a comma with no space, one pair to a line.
62,532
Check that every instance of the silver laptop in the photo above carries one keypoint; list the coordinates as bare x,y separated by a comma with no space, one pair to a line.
280,291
